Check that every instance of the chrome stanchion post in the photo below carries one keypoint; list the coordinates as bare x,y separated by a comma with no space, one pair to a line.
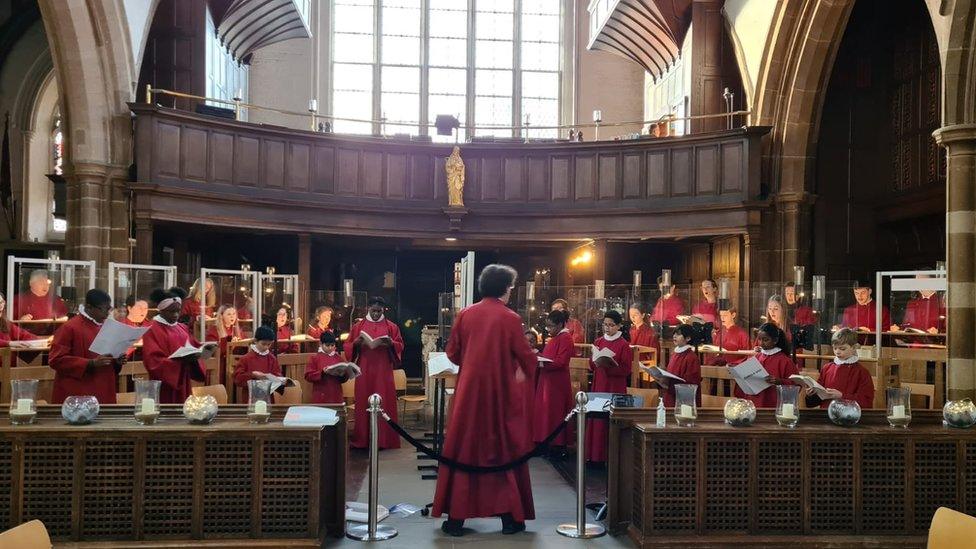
371,531
581,529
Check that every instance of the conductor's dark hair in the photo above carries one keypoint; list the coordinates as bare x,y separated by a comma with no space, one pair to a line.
176,291
97,298
776,334
376,300
558,317
495,280
614,316
687,331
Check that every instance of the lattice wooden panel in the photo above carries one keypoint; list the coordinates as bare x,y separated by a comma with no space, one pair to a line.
168,509
674,493
935,480
284,497
780,492
108,488
637,503
970,478
883,486
727,485
49,484
6,482
831,486
227,487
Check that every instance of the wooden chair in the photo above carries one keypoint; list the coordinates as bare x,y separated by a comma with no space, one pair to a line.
923,390
30,535
579,371
125,398
712,401
219,392
950,529
291,397
400,384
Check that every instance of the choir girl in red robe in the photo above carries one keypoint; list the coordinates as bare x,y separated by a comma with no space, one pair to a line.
38,303
798,313
553,390
10,331
326,387
707,308
731,337
926,311
776,314
225,330
283,322
201,300
609,376
489,423
684,363
78,371
574,326
532,339
668,307
259,362
377,358
641,332
861,316
323,318
844,377
773,354
166,334
136,311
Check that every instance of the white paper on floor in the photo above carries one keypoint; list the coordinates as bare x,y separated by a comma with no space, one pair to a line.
359,512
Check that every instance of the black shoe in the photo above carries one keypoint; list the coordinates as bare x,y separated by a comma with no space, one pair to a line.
453,527
510,526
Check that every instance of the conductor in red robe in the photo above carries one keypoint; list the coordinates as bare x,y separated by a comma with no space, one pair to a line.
167,334
78,371
489,421
377,356
609,376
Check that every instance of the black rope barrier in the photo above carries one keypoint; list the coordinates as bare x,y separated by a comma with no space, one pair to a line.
468,468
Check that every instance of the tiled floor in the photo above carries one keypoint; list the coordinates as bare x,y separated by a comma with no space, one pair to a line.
400,482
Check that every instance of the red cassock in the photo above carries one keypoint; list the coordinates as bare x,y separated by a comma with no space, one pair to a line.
284,333
856,316
315,332
803,316
778,365
40,307
731,339
16,333
490,414
852,380
644,336
191,308
326,389
253,362
924,313
222,342
708,311
553,390
132,352
686,366
607,380
157,344
69,359
377,377
668,309
575,328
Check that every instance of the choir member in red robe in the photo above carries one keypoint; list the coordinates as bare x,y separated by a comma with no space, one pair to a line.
39,303
574,326
729,336
553,390
862,316
78,371
668,307
926,311
323,319
490,414
532,339
684,363
377,358
776,314
166,334
326,386
259,362
774,356
798,313
201,300
283,322
641,332
707,308
225,330
844,377
10,331
136,311
609,376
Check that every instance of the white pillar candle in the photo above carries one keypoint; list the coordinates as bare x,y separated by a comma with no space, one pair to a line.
687,411
148,406
787,411
260,407
898,411
24,405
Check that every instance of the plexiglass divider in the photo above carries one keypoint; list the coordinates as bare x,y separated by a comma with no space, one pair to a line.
340,310
217,290
127,280
44,292
279,291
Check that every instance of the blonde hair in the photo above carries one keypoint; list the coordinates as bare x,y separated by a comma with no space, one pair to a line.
776,298
844,336
199,288
221,329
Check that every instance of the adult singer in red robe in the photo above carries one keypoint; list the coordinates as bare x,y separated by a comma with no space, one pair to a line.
10,331
926,311
609,376
641,332
283,320
489,422
574,326
166,334
377,359
863,313
78,371
798,313
38,303
553,389
668,307
707,308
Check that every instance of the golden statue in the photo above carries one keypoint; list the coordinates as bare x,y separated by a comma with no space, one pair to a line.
454,167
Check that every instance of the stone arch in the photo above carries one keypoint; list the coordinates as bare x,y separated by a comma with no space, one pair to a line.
959,63
36,197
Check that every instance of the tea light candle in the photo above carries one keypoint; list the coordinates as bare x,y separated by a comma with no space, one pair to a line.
787,411
898,411
260,407
24,405
148,406
687,411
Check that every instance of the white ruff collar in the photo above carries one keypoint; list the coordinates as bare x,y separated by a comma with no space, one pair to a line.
563,331
614,337
255,349
163,321
769,352
682,348
81,311
849,360
321,350
370,319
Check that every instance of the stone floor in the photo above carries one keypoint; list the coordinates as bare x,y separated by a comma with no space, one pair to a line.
400,482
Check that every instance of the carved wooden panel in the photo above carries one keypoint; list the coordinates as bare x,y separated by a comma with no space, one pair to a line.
706,170
48,475
167,146
608,177
639,500
227,487
324,179
284,493
396,175
560,178
372,174
727,478
657,173
348,172
194,154
297,166
538,181
632,176
732,168
682,172
514,184
168,485
780,502
935,479
831,479
247,155
422,182
674,485
107,493
222,157
491,179
883,484
585,177
274,163
6,480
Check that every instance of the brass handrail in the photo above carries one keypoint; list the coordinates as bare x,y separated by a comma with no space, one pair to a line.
238,105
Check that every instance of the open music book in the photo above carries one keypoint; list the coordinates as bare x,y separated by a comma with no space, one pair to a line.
30,344
115,338
348,369
690,319
597,354
811,383
750,376
660,373
190,352
439,365
370,339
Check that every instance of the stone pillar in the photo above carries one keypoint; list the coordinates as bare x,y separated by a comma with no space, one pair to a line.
793,211
960,143
304,276
97,215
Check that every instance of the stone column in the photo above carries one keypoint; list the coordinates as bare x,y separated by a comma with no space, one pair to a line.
960,143
793,211
98,215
